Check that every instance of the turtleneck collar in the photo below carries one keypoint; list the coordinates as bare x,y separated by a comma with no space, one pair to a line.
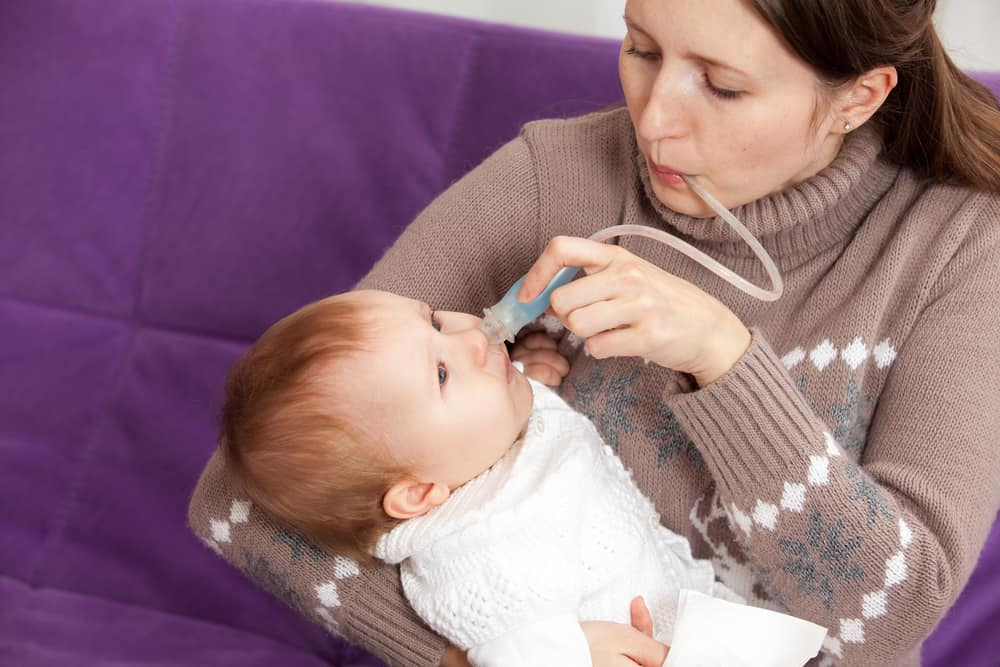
802,219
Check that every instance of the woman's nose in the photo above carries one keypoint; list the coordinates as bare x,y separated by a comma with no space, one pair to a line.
665,115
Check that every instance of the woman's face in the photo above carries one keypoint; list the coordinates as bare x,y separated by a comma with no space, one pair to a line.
713,93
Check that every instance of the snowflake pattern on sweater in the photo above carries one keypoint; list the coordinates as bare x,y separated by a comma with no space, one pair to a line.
890,280
820,555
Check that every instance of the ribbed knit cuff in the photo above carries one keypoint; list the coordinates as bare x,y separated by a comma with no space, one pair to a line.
751,424
392,631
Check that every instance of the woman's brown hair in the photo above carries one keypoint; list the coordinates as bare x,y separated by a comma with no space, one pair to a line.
938,120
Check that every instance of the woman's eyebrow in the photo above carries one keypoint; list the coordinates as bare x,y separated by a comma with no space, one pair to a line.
695,56
721,65
635,26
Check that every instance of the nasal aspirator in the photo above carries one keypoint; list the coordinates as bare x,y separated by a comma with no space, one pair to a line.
508,316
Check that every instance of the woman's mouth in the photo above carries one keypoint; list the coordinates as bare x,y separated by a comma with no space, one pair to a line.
666,175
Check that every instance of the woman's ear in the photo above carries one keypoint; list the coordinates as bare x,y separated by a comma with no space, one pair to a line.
408,498
864,96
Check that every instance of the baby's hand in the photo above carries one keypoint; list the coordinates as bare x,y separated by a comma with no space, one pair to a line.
541,361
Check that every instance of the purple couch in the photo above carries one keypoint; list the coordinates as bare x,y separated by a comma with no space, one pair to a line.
174,176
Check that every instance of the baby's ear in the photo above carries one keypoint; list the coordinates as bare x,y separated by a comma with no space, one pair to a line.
408,498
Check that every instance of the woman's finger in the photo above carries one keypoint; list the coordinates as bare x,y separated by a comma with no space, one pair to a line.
543,357
610,641
454,657
644,650
544,374
641,619
607,285
537,340
594,318
563,251
624,342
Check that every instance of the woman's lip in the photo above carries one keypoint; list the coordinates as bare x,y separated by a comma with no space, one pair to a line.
666,174
663,169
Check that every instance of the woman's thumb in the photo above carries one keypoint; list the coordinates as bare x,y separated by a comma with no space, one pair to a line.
641,620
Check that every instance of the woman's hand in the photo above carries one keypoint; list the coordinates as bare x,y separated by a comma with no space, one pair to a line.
617,645
541,361
626,306
611,644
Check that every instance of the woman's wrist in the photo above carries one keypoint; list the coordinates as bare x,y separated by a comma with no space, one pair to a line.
726,351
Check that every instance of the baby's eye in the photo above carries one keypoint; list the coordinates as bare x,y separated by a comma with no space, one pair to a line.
435,324
442,374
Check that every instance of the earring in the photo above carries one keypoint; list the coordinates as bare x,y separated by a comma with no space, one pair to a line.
848,127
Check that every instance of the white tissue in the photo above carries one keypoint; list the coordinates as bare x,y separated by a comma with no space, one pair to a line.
518,365
710,632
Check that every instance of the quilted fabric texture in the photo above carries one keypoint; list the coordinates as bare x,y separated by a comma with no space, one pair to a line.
175,175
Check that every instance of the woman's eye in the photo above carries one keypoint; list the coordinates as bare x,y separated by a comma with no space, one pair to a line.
721,93
442,374
645,55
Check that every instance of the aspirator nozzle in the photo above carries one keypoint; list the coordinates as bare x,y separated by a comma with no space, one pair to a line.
505,319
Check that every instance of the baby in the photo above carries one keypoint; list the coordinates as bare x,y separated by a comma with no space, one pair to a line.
379,428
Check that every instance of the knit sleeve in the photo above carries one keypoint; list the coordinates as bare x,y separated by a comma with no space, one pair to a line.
472,242
876,551
362,604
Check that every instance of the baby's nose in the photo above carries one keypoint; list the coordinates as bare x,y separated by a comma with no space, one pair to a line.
477,344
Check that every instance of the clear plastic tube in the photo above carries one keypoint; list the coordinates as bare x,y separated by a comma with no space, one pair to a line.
505,319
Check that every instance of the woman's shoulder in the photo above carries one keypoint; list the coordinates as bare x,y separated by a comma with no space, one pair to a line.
962,210
953,229
931,207
582,164
606,132
613,118
965,195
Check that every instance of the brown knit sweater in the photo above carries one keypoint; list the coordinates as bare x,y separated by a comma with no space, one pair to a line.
846,469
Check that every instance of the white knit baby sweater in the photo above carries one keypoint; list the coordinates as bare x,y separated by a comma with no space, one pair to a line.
554,533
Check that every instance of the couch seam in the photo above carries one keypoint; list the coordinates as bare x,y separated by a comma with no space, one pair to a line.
82,464
78,311
155,610
460,104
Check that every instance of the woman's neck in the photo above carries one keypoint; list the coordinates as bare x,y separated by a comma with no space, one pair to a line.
826,153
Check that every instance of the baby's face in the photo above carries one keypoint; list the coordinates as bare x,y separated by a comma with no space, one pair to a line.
449,403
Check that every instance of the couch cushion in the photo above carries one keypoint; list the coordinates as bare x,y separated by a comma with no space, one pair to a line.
176,175
56,628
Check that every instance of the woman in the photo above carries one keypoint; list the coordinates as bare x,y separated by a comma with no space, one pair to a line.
833,452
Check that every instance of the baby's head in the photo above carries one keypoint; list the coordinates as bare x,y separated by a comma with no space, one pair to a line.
364,409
